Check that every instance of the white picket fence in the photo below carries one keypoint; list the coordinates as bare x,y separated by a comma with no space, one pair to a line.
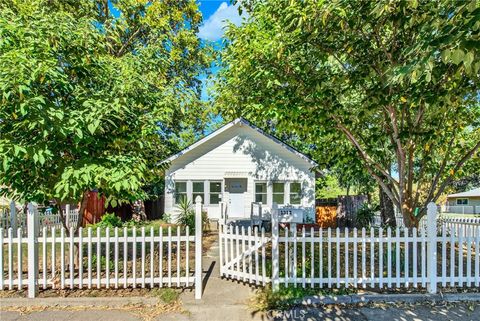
13,218
375,258
452,223
100,258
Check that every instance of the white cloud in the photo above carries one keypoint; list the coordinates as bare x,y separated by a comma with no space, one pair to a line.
213,28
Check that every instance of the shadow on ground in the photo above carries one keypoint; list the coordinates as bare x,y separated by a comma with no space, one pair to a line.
389,312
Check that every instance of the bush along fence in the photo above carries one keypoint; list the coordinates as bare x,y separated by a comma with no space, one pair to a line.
378,259
13,218
101,257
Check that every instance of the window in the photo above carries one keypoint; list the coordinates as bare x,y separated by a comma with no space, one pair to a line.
462,201
198,190
295,193
215,191
261,193
278,193
180,191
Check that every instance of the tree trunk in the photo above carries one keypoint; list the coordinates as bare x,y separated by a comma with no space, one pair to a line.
409,218
387,210
63,219
81,210
83,206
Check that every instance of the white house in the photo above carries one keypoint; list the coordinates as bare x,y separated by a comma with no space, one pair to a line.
241,166
464,203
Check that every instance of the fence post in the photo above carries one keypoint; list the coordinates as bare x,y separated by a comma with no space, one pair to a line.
13,218
32,239
198,248
222,215
67,215
432,247
275,250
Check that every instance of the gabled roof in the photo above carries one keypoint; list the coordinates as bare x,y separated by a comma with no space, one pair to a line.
230,125
472,193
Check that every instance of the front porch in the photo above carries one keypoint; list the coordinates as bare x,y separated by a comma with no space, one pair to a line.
260,216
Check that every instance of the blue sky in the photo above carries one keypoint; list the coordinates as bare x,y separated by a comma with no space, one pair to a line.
216,14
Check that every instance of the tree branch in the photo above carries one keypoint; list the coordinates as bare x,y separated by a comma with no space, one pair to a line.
124,46
392,193
449,179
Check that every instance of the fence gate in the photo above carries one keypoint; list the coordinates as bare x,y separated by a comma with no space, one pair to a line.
245,254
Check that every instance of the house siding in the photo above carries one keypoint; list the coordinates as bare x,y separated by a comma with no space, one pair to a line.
472,201
243,150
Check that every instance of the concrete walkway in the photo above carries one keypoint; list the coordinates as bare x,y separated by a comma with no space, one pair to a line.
222,299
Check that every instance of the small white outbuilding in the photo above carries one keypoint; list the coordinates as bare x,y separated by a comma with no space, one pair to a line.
241,166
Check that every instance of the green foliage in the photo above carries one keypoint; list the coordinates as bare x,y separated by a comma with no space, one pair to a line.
369,87
167,217
133,223
95,100
109,220
186,214
328,186
287,297
103,263
167,295
365,215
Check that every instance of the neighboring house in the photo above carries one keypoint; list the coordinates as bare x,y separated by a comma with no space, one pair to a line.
240,164
466,202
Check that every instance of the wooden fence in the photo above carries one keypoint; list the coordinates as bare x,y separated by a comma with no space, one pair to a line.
99,258
375,258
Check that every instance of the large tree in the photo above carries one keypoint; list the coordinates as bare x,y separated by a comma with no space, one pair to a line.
398,80
95,95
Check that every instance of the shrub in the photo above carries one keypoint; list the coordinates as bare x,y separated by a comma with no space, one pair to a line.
109,220
167,217
133,223
365,216
186,215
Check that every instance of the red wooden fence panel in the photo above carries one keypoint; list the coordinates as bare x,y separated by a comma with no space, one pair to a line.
95,208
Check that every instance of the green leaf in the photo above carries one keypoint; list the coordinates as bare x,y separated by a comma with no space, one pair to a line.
41,158
91,128
468,59
457,56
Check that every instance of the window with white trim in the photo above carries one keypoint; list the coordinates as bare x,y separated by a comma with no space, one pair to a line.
198,190
462,201
278,195
180,191
215,191
295,193
261,193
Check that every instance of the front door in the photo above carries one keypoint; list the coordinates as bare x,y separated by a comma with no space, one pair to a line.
237,189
